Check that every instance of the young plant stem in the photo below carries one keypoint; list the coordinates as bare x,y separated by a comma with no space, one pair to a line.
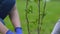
39,16
27,20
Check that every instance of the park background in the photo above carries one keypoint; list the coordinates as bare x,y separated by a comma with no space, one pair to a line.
52,12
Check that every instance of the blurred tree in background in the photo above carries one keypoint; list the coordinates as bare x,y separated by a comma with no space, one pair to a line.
52,10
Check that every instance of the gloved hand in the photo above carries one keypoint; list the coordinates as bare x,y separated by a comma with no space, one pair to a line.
9,32
18,30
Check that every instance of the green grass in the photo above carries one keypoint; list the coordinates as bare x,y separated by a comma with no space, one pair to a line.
52,15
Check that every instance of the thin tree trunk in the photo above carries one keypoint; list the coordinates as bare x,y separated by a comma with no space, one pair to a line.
44,7
27,17
43,14
39,17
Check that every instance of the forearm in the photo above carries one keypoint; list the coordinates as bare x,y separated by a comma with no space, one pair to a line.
3,28
15,17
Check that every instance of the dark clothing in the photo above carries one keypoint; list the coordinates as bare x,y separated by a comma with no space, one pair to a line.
5,7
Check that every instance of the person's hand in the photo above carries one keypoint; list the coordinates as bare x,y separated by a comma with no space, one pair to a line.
9,32
18,30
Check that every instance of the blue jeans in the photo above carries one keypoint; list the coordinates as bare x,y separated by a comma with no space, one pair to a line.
56,29
2,21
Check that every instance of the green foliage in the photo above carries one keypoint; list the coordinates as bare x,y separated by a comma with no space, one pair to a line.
30,9
36,1
53,13
55,0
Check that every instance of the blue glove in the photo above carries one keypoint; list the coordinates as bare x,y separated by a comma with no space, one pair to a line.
18,30
9,32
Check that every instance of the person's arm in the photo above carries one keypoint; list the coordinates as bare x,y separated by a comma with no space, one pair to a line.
3,28
15,17
15,20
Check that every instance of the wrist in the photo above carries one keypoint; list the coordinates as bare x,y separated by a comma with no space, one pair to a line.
18,28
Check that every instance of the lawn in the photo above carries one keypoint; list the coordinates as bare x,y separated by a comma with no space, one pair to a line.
52,15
